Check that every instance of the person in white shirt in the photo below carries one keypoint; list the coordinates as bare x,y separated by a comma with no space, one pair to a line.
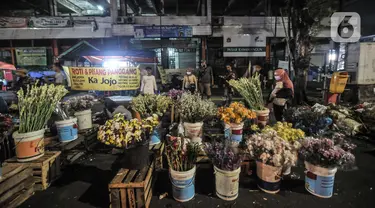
148,85
59,76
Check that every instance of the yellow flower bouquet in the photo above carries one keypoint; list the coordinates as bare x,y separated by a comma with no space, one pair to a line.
121,133
235,113
286,131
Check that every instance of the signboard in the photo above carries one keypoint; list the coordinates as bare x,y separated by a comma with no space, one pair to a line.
36,56
165,31
47,22
13,22
283,65
104,79
244,45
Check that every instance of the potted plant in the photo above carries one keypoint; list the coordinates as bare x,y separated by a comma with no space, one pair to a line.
322,158
271,153
193,110
80,107
182,156
36,105
227,166
149,104
133,136
251,90
234,117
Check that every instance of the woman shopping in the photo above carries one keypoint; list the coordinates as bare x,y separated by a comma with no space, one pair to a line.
282,92
148,85
190,82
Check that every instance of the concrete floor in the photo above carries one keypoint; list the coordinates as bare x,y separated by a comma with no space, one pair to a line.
85,185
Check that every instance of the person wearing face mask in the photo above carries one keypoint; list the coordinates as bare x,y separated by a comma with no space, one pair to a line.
228,90
190,81
282,92
148,85
205,79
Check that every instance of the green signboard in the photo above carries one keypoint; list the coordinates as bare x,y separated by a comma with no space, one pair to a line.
244,49
31,56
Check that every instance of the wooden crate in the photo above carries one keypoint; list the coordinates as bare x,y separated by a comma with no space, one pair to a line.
132,188
158,151
45,169
16,186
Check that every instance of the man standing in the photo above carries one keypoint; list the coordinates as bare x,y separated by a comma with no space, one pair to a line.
205,79
228,90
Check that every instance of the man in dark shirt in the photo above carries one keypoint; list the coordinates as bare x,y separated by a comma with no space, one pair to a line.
23,80
205,79
228,90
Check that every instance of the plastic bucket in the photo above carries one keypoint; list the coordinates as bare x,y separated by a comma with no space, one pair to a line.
29,146
268,178
263,117
194,131
287,170
67,130
183,188
319,181
155,137
236,132
84,119
227,131
227,183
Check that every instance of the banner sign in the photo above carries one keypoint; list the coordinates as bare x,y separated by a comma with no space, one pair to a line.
13,22
36,56
165,31
104,79
43,22
244,45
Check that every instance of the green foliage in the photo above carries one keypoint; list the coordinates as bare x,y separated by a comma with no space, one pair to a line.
148,104
192,108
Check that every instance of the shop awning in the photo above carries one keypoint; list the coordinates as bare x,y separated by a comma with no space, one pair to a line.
77,50
7,66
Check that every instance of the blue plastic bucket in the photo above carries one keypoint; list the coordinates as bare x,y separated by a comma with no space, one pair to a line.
183,188
236,131
67,130
155,137
319,181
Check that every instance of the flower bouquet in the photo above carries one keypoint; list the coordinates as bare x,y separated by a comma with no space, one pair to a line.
251,91
175,94
80,106
227,165
149,104
322,158
35,109
272,153
234,117
193,110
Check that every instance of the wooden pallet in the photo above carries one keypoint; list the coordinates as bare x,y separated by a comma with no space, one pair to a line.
45,169
16,186
132,188
158,151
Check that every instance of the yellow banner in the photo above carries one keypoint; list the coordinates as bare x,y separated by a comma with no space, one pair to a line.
104,79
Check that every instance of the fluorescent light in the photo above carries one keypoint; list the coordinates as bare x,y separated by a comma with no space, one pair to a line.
97,58
100,8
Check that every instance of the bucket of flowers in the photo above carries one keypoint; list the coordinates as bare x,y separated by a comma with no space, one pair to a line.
271,153
234,117
132,136
322,157
182,156
80,107
149,104
227,169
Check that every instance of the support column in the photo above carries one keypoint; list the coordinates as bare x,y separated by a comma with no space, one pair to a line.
209,11
124,8
55,50
114,12
203,7
204,46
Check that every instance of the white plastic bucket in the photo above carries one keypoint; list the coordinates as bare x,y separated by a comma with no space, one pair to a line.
263,117
236,132
67,130
84,119
194,131
227,183
183,187
319,181
29,146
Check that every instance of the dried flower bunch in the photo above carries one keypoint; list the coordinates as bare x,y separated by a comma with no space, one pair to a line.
250,90
175,94
222,156
148,104
37,104
324,153
192,108
271,149
126,134
235,113
181,153
78,103
286,131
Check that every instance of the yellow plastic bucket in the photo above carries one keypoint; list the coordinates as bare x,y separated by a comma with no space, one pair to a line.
338,82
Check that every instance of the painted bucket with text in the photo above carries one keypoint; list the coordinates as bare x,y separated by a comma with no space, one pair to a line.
319,181
227,183
263,117
29,146
268,178
183,187
194,131
84,119
67,130
236,132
